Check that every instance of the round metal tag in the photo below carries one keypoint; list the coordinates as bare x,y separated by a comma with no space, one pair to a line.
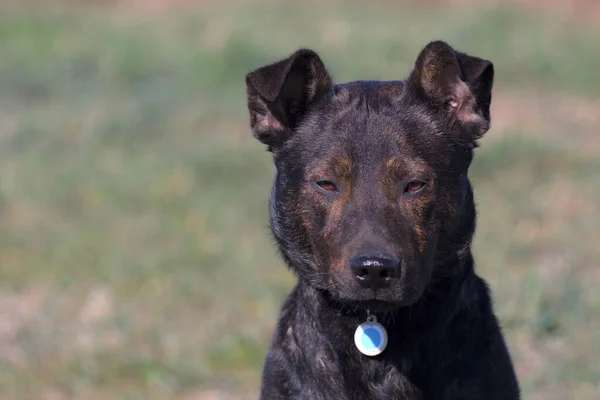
370,337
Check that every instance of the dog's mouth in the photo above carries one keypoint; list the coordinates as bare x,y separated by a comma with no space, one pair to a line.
385,299
376,302
373,305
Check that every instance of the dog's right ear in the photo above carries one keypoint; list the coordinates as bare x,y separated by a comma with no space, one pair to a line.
279,95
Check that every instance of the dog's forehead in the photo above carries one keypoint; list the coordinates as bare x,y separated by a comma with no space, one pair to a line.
370,88
371,117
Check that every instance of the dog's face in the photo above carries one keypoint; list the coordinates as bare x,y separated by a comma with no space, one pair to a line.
371,195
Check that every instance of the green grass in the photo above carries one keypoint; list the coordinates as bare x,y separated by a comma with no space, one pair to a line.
135,259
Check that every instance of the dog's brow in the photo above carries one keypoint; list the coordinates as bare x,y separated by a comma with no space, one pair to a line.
342,166
397,166
395,163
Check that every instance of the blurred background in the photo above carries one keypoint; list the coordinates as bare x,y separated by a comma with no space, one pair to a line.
135,258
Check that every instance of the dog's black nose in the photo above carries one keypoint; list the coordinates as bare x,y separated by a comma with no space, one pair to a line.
374,271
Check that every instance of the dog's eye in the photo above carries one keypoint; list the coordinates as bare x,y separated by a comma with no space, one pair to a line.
327,185
414,186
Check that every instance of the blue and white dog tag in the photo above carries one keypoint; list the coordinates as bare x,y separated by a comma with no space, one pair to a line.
370,337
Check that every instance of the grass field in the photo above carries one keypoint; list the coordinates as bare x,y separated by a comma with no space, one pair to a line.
135,259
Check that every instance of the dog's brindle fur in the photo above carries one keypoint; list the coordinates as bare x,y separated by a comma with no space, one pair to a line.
379,168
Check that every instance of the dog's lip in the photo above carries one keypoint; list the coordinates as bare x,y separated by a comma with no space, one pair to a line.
372,305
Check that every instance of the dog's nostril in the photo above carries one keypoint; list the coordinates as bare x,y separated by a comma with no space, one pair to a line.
374,271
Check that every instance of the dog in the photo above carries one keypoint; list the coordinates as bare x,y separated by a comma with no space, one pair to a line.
373,210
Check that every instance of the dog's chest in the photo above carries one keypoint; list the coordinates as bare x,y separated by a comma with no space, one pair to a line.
377,378
338,367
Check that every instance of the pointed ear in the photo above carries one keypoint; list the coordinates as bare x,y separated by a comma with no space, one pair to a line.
280,94
459,83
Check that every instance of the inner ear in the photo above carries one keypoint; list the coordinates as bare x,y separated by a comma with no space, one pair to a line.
280,94
456,82
451,103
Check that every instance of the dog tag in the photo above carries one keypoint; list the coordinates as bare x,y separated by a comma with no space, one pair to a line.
370,337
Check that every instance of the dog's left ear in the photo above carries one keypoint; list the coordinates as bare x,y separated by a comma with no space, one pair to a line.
280,94
459,83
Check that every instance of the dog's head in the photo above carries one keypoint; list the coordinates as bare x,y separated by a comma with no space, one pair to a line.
371,198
